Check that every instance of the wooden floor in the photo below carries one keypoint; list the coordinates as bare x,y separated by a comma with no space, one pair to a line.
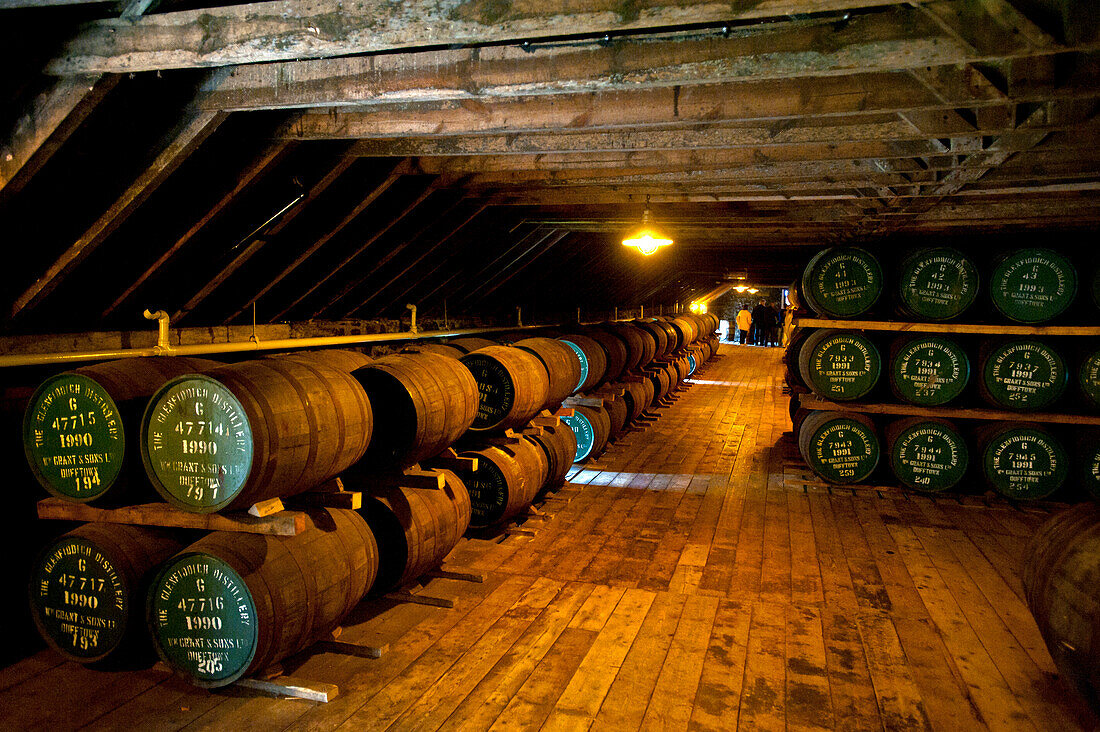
692,578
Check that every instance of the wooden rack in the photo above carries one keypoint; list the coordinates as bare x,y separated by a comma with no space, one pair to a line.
1015,329
812,401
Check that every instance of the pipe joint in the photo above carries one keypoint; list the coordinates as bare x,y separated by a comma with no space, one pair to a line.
163,343
412,326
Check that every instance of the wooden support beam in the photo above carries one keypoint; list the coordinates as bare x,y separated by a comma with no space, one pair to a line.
284,30
428,190
180,143
399,170
41,131
263,237
264,163
898,38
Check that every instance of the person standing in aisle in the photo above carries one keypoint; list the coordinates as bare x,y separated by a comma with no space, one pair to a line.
744,324
762,318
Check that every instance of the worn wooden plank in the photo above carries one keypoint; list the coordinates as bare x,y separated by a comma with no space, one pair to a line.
284,523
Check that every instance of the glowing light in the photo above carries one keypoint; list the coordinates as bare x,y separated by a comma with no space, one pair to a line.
647,239
741,288
698,307
753,290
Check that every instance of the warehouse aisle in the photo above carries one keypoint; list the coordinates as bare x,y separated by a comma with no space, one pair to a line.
694,576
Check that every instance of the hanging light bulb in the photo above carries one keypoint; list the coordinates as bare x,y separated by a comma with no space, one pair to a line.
647,239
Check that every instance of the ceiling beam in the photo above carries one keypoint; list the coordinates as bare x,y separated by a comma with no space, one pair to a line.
179,144
285,30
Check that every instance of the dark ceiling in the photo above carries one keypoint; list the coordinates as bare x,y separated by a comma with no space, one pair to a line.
326,180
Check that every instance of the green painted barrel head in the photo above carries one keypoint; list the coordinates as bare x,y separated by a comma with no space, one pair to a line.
929,371
1088,377
196,443
496,392
73,437
1025,462
844,366
939,283
583,359
79,599
203,619
842,282
586,435
1033,285
1089,469
692,364
1024,374
929,456
488,490
843,450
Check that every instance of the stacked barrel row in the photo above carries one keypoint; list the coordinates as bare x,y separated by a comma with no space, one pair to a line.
1021,373
1019,460
1028,285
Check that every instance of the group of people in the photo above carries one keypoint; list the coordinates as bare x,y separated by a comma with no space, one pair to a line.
760,327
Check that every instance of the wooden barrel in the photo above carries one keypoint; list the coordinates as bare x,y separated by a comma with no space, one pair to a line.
1022,460
617,414
82,428
416,528
683,368
1087,461
1033,285
637,398
512,386
337,358
928,370
687,328
842,282
663,379
927,454
234,603
507,479
563,366
560,445
427,401
441,349
592,357
936,283
592,428
614,350
87,591
470,344
251,431
791,356
1021,373
841,365
1061,579
840,447
659,336
1088,378
640,346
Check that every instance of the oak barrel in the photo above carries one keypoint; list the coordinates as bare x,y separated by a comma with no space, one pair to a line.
441,349
251,431
659,336
840,447
1021,373
936,283
928,370
592,357
507,479
337,358
839,364
563,366
82,428
842,282
1087,461
427,401
1061,579
617,414
560,445
87,591
592,427
1088,377
614,349
637,398
512,386
470,343
416,528
1033,285
927,454
1022,460
640,346
235,603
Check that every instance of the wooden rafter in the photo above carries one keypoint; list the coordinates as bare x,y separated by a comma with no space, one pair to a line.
273,31
262,164
180,143
264,237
